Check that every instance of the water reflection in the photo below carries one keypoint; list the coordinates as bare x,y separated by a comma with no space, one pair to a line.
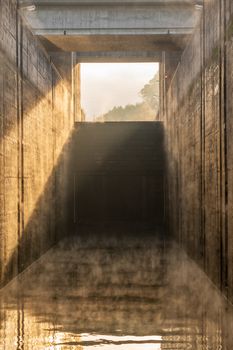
111,292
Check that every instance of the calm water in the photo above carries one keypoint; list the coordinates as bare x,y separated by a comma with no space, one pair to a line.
111,292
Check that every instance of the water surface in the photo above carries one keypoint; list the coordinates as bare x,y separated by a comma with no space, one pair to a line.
114,291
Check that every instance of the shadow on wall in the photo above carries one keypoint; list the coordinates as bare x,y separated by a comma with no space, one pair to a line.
33,157
48,222
35,125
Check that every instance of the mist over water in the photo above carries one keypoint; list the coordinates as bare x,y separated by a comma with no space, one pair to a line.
113,290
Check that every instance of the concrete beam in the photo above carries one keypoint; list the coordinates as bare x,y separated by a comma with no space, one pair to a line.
109,2
110,20
118,57
113,43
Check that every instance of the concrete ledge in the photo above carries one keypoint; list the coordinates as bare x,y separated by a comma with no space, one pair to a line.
118,56
110,2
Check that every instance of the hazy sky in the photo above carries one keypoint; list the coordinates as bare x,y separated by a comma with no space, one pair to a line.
105,85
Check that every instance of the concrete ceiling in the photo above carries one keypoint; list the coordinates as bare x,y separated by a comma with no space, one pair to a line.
96,29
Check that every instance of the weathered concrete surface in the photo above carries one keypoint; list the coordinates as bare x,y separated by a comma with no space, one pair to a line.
114,19
62,59
35,122
118,56
81,26
112,2
198,117
113,43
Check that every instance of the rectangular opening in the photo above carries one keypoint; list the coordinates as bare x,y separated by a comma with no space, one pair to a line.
117,92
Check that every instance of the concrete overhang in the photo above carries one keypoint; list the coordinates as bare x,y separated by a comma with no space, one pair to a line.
108,2
108,25
113,43
118,57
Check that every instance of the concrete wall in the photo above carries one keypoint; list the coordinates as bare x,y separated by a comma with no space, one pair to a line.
199,129
35,122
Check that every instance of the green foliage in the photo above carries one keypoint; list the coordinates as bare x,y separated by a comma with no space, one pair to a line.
145,111
150,92
138,112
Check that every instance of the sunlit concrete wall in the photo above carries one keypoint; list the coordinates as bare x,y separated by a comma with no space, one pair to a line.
35,123
199,132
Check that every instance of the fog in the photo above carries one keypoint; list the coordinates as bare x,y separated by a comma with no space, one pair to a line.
105,85
106,290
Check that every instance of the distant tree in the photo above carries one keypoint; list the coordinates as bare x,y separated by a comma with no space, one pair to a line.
138,112
150,93
144,111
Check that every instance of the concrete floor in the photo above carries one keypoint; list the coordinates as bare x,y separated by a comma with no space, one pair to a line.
114,291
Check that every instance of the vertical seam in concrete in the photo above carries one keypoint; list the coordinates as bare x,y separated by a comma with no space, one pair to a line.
73,77
221,145
224,235
203,141
21,127
201,238
226,152
54,145
4,179
74,198
18,51
19,56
